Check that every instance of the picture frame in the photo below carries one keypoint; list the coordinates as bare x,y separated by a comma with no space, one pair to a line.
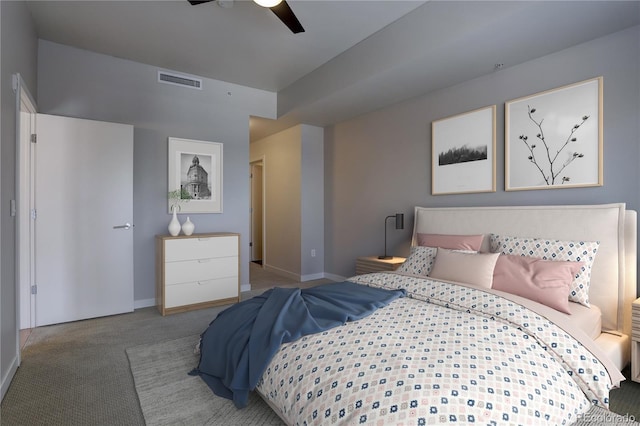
553,139
196,166
463,148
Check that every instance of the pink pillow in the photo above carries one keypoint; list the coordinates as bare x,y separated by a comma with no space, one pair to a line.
451,242
544,281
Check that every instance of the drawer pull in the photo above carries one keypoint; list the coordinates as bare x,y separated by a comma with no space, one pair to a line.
203,239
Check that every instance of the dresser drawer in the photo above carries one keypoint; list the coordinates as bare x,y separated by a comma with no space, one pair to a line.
200,247
635,321
200,270
202,291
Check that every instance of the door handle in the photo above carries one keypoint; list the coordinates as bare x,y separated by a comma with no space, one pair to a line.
125,226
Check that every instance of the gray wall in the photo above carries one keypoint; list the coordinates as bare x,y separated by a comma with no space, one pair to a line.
18,55
78,83
379,163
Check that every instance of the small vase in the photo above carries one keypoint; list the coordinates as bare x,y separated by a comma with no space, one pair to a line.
174,225
188,227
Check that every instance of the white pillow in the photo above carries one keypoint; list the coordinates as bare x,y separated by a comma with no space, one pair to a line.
420,261
467,268
574,251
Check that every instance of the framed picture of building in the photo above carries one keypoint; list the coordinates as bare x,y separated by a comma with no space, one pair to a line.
195,169
463,153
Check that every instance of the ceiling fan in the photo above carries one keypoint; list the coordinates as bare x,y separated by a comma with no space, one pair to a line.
279,7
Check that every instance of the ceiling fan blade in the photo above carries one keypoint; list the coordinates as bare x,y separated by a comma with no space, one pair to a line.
195,2
286,15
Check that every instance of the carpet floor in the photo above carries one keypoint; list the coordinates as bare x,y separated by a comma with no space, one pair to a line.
169,396
79,373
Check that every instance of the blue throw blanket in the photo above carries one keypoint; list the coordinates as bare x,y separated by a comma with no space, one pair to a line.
238,345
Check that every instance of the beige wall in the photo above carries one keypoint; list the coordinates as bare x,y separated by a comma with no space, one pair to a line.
294,201
282,170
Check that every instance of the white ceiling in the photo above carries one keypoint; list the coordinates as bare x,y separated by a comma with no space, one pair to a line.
355,56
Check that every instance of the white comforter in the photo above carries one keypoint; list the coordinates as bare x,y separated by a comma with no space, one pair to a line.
445,354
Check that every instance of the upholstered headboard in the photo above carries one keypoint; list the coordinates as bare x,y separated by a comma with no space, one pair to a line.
613,280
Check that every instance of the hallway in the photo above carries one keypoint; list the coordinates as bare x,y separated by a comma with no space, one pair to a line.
262,279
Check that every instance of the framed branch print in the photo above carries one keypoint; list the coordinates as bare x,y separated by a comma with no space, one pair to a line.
463,153
553,139
195,172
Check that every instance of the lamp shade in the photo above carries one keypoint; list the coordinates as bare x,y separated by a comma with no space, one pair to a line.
399,221
268,3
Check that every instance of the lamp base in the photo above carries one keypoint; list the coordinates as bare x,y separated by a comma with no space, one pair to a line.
385,257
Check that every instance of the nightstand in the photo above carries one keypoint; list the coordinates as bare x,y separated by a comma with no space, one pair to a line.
368,264
635,341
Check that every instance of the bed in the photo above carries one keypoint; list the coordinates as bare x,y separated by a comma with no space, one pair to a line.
457,351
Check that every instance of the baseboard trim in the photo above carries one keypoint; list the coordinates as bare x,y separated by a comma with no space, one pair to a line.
144,303
282,272
303,278
6,379
334,277
312,277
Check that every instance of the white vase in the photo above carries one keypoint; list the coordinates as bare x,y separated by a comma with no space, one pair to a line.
174,225
188,227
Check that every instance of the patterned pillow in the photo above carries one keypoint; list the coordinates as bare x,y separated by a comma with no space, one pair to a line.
575,251
420,261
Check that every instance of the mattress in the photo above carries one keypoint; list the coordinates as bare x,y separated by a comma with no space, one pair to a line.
588,319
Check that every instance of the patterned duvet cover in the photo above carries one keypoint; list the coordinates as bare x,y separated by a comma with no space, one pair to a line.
445,354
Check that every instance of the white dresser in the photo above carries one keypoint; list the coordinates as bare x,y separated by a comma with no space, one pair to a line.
197,271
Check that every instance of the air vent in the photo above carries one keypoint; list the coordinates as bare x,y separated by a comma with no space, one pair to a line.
179,80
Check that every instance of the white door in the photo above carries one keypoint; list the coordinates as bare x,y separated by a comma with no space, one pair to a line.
84,205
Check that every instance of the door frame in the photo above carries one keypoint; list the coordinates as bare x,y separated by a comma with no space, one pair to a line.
260,160
22,95
25,204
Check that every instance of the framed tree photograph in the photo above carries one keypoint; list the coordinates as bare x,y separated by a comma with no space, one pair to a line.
553,139
463,156
195,170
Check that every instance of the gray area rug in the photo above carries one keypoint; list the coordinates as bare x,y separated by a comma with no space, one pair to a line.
169,396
